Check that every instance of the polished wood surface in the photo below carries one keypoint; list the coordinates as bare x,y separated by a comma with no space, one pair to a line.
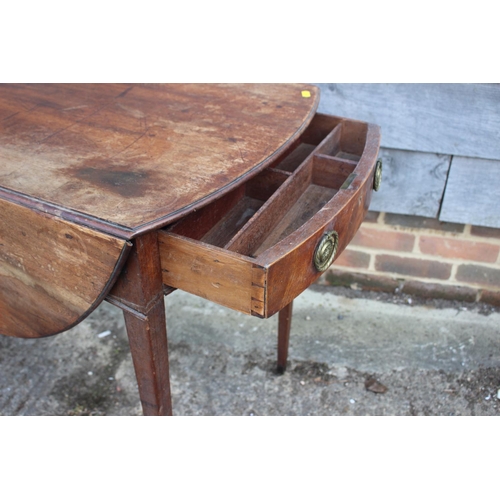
129,158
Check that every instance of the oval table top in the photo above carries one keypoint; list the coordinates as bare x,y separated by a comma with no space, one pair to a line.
85,168
125,159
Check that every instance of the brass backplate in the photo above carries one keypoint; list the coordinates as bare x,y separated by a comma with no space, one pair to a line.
326,250
377,178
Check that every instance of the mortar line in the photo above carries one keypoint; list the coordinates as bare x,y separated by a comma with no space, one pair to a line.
407,277
423,256
419,231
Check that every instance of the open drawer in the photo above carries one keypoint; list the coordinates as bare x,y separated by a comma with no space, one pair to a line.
259,246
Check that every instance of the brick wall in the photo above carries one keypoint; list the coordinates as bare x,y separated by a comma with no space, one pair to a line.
420,256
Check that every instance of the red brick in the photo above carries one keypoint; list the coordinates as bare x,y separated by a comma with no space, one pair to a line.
453,248
489,297
413,267
437,291
486,232
386,240
416,222
478,275
352,258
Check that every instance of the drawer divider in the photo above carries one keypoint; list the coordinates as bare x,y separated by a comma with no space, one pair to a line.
253,233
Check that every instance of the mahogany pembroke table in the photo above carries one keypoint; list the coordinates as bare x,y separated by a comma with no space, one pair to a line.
241,194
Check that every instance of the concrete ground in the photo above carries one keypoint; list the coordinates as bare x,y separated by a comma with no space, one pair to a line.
432,359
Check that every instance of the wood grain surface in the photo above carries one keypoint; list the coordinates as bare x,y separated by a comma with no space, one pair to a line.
52,272
129,158
139,292
289,263
209,272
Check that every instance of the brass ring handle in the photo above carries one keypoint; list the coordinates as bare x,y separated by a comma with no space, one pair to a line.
326,250
377,178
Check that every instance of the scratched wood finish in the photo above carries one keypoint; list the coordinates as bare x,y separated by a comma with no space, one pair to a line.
271,256
129,158
52,273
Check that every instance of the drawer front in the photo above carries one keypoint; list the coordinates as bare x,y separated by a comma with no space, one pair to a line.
291,272
257,248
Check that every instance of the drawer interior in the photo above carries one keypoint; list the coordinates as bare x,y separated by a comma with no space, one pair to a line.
254,217
253,249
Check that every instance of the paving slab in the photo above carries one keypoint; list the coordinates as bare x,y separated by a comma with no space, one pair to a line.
425,360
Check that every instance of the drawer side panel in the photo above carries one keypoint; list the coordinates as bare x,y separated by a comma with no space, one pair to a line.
209,272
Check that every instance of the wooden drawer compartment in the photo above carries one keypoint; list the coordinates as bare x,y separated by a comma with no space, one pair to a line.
253,249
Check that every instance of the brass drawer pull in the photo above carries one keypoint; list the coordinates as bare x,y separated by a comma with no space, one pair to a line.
326,250
377,178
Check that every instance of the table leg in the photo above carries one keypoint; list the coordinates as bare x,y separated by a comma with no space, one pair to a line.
148,345
284,324
139,292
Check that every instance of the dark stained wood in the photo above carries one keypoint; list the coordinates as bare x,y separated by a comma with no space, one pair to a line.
289,263
235,219
150,357
312,200
264,185
295,158
52,273
331,172
139,292
284,326
129,158
352,140
320,127
199,222
251,236
330,145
